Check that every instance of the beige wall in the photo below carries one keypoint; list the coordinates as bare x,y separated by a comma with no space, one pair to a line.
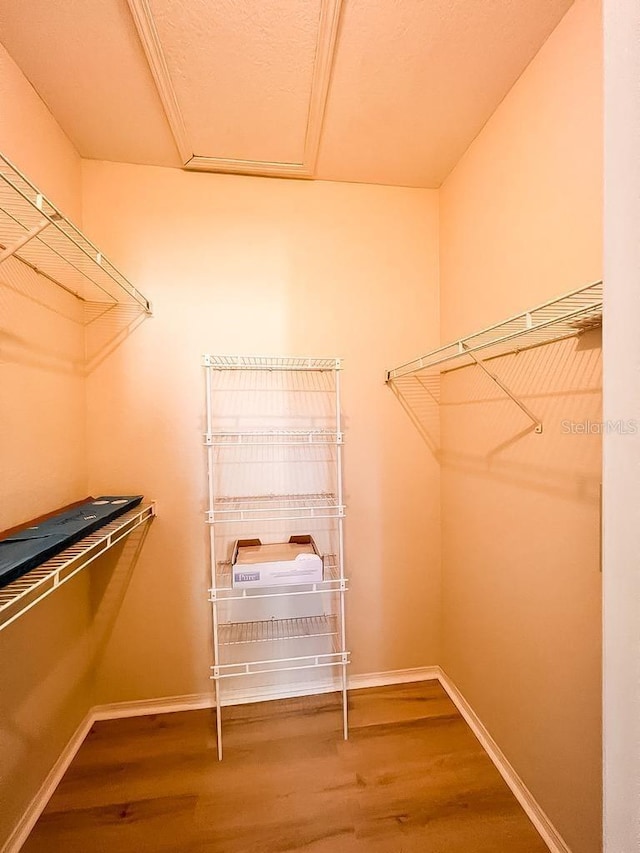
34,141
247,265
251,265
622,453
520,223
43,657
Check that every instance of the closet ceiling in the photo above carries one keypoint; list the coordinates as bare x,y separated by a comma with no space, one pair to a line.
382,91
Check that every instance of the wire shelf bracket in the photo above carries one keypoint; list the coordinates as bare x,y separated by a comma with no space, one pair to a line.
537,423
564,317
10,251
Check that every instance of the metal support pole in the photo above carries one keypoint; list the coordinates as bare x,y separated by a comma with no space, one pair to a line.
212,554
343,633
537,422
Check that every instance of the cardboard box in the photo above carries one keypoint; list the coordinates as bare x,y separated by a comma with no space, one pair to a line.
279,564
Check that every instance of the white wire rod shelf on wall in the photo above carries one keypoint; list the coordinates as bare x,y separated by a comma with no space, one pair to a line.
18,597
273,630
35,232
259,508
263,667
560,318
282,438
332,582
268,362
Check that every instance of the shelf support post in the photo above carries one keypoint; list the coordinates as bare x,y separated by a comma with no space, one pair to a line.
527,411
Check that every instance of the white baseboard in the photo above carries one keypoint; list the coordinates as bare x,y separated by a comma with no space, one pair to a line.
536,815
35,808
243,696
393,676
194,701
145,707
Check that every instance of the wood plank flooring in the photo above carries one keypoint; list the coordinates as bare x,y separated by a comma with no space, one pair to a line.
411,779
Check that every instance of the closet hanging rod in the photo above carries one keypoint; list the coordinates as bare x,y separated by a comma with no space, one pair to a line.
563,317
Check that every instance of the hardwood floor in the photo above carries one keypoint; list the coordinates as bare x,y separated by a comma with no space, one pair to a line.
411,779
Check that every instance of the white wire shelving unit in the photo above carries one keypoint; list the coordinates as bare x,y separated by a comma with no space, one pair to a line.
228,515
20,596
36,233
564,317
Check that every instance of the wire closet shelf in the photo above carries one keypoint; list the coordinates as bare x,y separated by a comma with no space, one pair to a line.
36,233
270,362
18,597
245,643
280,438
269,630
564,317
262,508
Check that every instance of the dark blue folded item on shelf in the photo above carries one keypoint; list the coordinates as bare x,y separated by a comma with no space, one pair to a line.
25,549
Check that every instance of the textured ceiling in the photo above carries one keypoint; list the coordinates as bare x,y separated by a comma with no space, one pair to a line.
382,91
242,73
